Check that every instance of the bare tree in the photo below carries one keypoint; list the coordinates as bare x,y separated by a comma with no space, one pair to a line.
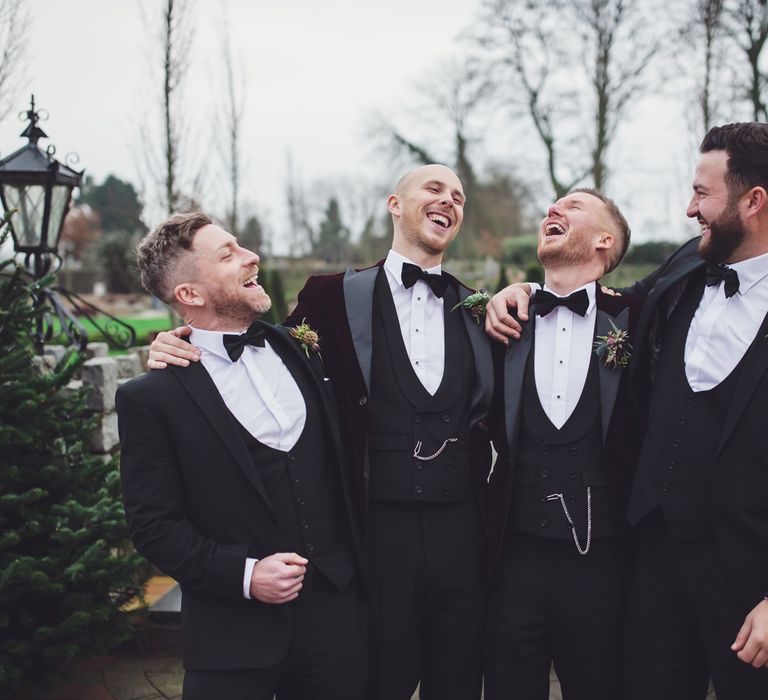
300,235
14,35
746,22
556,76
172,52
230,128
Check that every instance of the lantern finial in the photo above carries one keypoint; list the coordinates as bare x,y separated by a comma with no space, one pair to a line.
33,132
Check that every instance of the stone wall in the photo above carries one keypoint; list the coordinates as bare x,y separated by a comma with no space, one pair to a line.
101,374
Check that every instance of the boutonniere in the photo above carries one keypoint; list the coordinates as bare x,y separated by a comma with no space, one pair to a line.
475,304
308,338
614,348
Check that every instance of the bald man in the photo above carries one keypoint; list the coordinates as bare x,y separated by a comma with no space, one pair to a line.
413,382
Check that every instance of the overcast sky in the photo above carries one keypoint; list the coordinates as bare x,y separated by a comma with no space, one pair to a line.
315,72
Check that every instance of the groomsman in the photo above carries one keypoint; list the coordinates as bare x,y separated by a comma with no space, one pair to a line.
697,604
414,382
234,484
567,441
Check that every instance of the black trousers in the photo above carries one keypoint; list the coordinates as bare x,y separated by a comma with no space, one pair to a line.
682,618
327,658
549,604
427,600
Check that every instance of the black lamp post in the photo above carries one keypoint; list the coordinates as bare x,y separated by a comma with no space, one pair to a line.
36,192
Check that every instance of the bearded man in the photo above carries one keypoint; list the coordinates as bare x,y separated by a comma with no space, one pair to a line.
234,484
567,440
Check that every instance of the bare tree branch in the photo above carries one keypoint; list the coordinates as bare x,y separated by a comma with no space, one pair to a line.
14,35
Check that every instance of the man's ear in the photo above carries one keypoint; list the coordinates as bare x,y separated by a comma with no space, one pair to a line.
757,201
188,295
393,204
605,240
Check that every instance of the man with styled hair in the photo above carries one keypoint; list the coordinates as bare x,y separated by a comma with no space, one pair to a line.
234,484
567,441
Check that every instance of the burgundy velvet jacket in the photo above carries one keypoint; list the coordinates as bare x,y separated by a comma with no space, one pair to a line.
340,308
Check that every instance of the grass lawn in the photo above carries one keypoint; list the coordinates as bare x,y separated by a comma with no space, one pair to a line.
144,327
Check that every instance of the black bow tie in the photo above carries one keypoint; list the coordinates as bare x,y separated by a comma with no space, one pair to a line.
234,344
578,302
412,273
723,273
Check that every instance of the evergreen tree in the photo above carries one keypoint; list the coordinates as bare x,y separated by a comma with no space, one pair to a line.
116,202
64,567
333,236
277,294
503,280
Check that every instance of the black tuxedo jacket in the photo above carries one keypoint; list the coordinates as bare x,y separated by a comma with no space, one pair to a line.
739,482
196,507
621,436
340,308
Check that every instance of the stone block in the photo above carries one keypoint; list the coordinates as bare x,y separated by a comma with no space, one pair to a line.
99,375
143,353
57,352
44,364
97,350
105,437
128,366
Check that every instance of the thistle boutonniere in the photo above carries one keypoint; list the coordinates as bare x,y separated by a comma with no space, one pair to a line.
614,348
475,304
308,338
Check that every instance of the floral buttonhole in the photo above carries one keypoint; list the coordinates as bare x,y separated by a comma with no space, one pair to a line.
308,338
475,304
614,348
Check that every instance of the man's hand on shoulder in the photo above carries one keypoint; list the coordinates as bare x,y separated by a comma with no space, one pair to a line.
499,323
169,349
751,645
278,578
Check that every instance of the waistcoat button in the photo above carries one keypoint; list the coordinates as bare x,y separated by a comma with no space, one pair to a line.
362,400
418,489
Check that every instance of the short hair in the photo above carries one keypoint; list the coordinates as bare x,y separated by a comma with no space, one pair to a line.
160,253
746,144
622,225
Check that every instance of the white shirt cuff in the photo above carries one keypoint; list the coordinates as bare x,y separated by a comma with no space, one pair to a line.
249,564
535,287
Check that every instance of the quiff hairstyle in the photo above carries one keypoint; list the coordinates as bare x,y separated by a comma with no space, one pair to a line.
161,255
622,226
746,144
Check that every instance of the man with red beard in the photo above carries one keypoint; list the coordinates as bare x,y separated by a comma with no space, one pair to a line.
697,607
414,382
567,440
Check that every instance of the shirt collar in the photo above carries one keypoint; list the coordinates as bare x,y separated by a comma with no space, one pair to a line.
591,288
210,341
394,266
751,271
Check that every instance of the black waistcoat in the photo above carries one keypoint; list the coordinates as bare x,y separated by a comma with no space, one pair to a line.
564,461
304,489
404,414
676,460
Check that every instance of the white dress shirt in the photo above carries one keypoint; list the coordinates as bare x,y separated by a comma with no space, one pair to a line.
260,392
420,314
562,352
722,329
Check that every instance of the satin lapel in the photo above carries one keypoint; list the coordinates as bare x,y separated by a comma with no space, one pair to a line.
609,377
482,391
199,385
662,285
358,299
514,373
755,366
